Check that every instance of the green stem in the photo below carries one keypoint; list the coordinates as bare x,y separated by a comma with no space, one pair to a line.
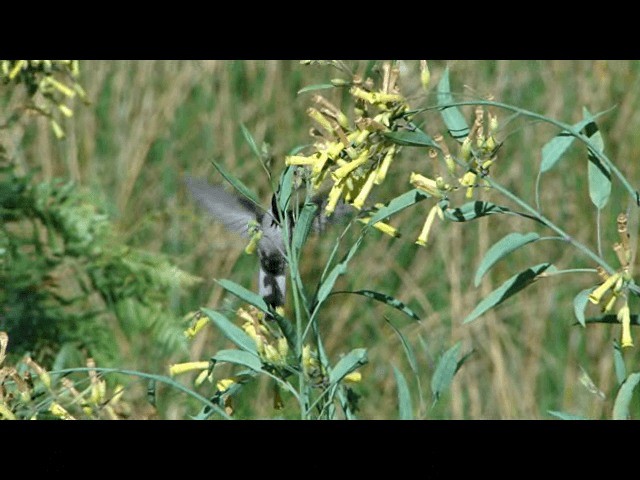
534,213
563,126
157,378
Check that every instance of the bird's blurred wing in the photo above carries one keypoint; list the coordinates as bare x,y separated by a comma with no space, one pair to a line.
233,212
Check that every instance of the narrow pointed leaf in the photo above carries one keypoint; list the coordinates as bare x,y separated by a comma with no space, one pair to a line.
384,298
618,363
231,331
236,183
398,204
411,138
243,294
239,357
445,370
599,173
285,188
566,416
580,303
477,209
623,399
249,138
313,88
408,350
347,364
557,146
452,117
404,397
303,225
507,289
502,248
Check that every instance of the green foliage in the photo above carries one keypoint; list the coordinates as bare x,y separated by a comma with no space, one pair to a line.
65,276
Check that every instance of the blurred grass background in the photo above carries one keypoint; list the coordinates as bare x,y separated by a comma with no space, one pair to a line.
150,122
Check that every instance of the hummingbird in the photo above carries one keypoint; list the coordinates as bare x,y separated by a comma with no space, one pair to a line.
239,214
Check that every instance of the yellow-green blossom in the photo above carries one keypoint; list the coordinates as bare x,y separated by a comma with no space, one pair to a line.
624,316
353,377
179,368
599,292
224,384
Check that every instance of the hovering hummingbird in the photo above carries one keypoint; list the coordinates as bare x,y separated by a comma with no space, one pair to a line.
238,214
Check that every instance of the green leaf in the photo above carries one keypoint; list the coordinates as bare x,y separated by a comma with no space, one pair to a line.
398,204
445,370
231,331
623,399
557,146
612,318
236,183
384,298
507,289
618,363
502,248
303,225
404,397
313,88
347,364
327,285
411,138
580,303
285,188
244,294
453,118
599,173
477,209
238,357
566,416
408,351
252,143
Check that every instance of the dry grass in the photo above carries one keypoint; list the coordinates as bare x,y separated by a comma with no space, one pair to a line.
152,121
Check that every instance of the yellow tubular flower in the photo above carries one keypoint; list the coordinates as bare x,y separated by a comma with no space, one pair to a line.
202,376
16,68
250,329
364,191
598,293
283,347
301,160
345,170
333,197
272,355
320,119
624,316
384,166
424,234
425,184
383,227
353,377
192,331
224,384
180,368
465,149
60,412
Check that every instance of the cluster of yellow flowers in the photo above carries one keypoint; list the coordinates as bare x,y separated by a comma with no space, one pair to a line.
94,401
355,156
475,161
39,78
617,284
